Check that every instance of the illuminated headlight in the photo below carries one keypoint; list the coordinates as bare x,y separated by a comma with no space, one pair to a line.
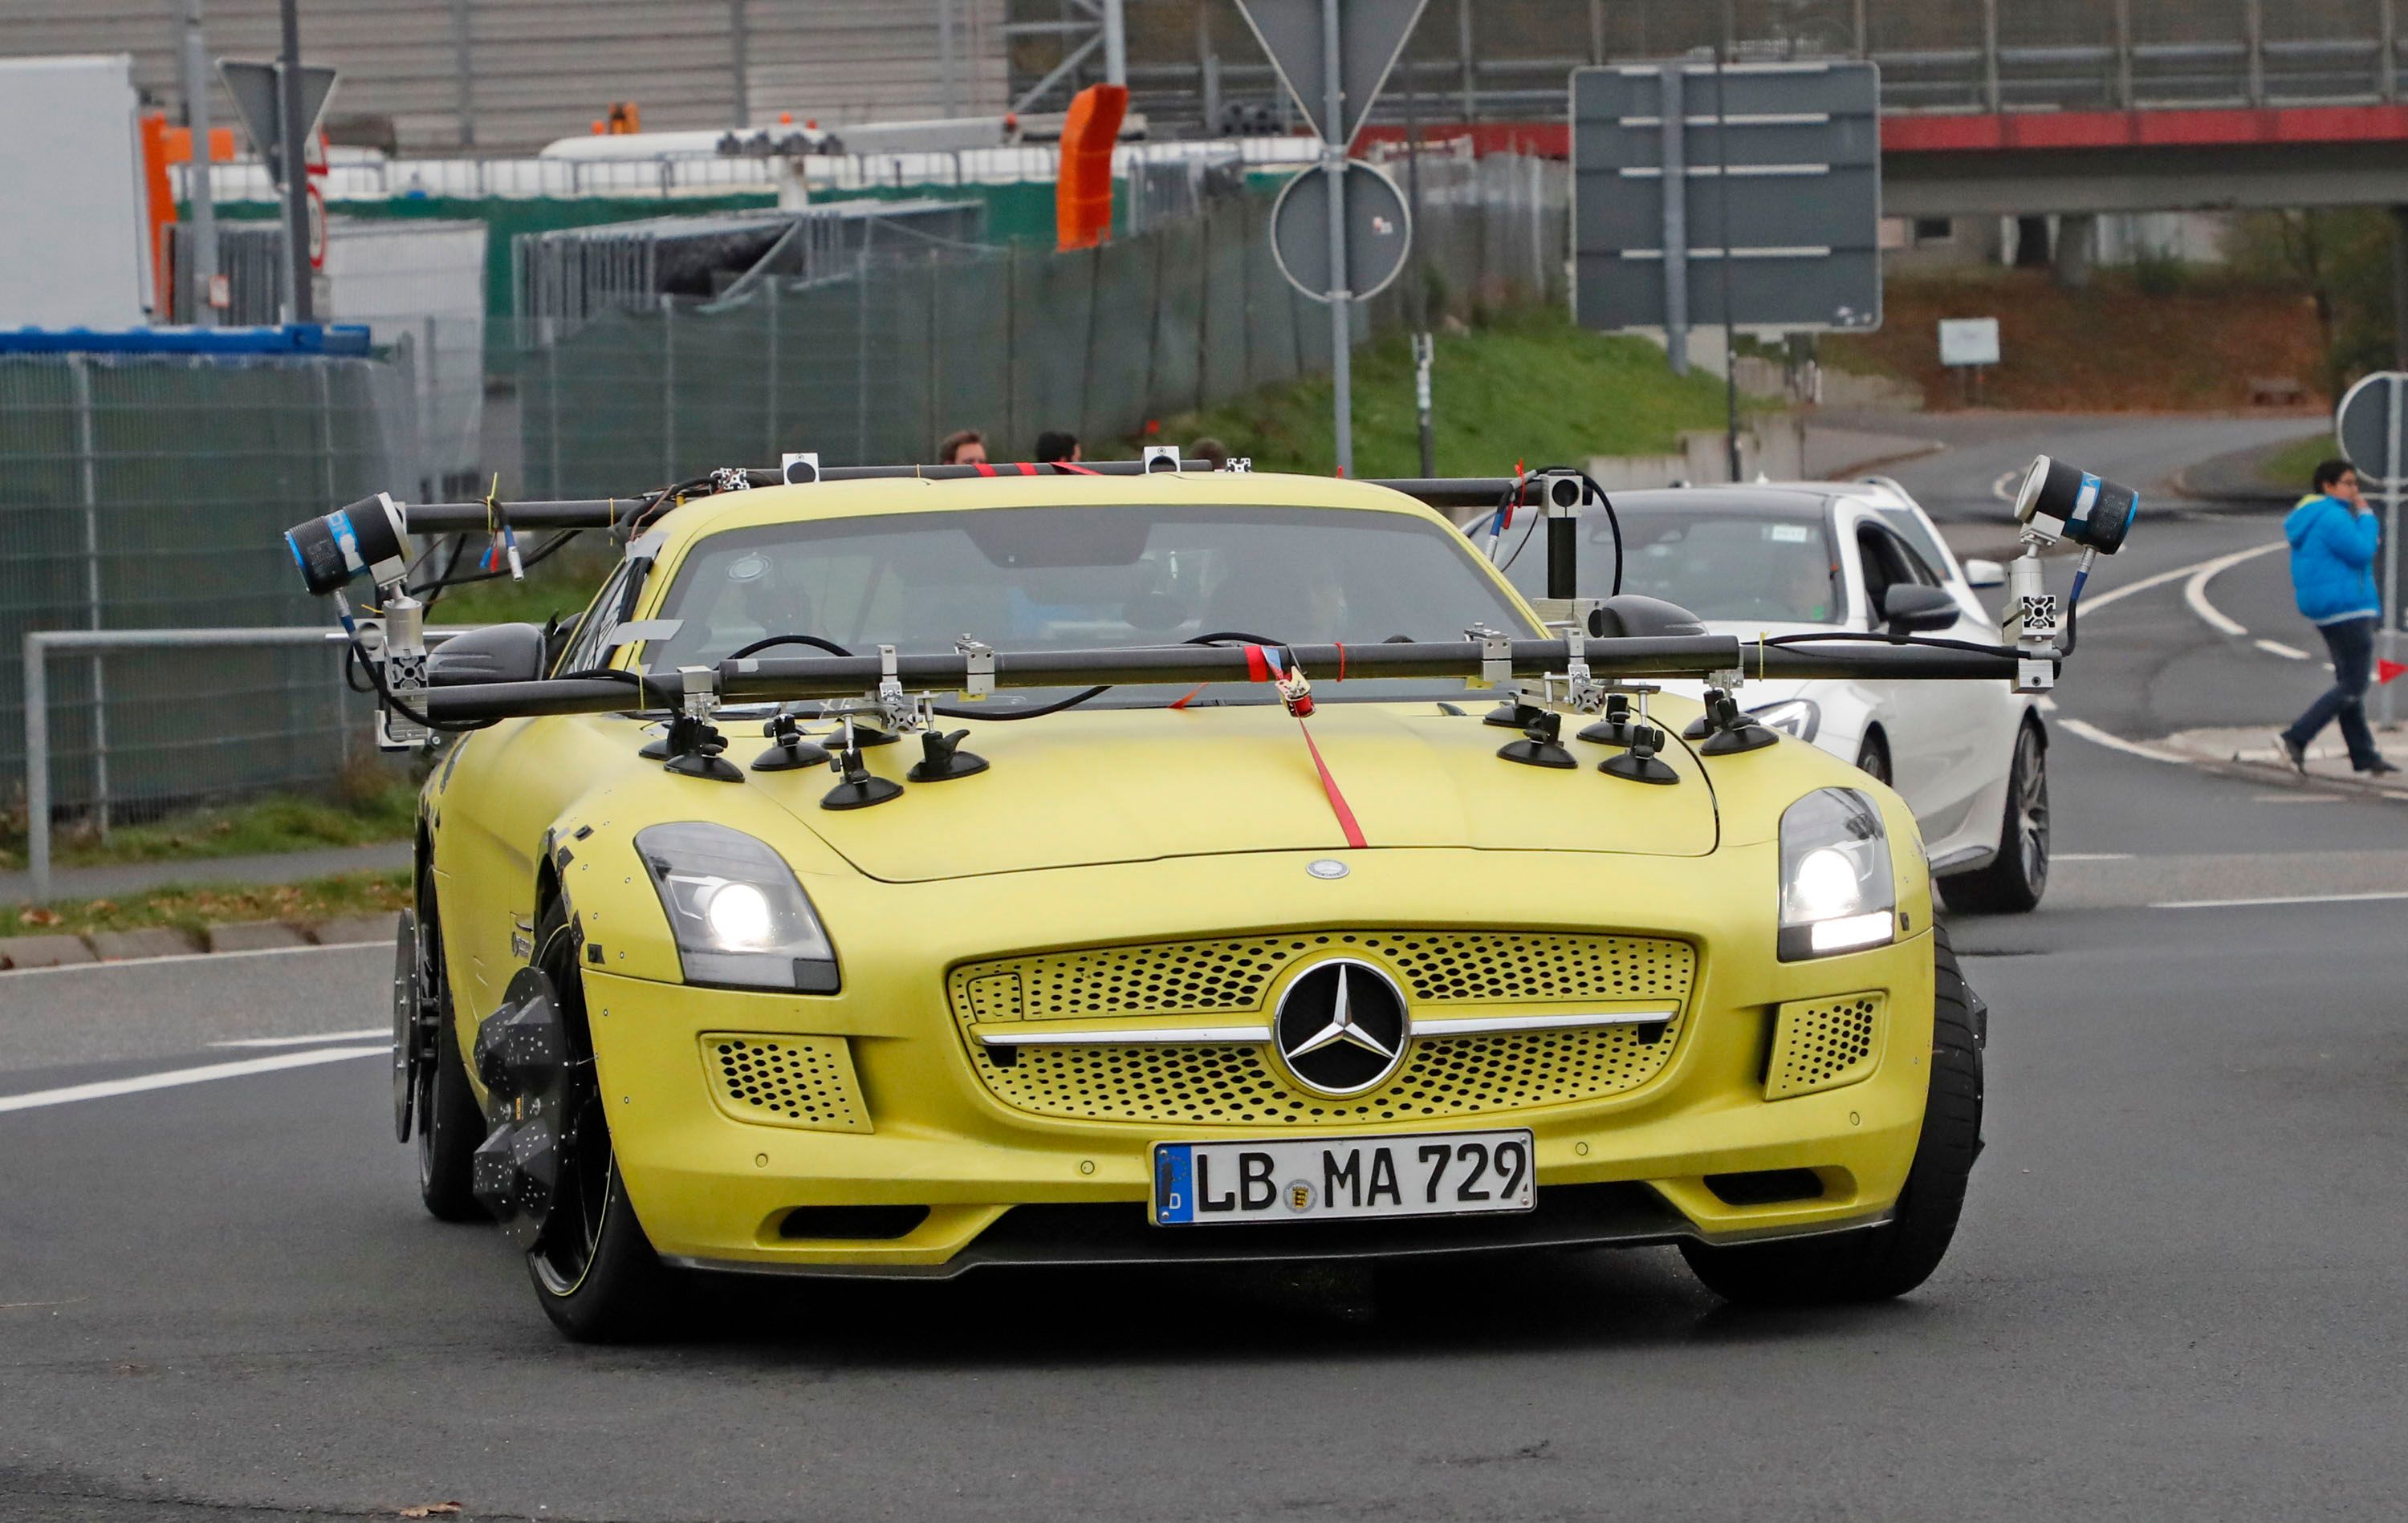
741,919
1798,717
1836,894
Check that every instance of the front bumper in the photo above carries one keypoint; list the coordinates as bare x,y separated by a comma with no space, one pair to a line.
1003,1185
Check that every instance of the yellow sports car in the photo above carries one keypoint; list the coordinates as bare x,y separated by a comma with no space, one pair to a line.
903,875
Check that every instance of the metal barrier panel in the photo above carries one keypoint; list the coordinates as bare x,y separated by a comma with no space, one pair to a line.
151,492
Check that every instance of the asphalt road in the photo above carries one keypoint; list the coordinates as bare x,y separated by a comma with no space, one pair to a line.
2181,1289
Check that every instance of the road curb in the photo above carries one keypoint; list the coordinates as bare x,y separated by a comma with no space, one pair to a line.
149,944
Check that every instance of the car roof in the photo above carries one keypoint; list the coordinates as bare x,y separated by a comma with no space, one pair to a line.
1758,498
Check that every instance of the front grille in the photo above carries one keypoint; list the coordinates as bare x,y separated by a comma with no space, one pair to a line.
1219,978
790,1081
1823,1044
1241,1084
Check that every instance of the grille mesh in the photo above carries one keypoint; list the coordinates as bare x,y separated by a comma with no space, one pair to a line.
788,1081
1823,1044
1241,1084
1219,978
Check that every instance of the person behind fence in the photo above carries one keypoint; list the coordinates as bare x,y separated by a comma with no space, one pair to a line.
2334,537
966,447
1055,447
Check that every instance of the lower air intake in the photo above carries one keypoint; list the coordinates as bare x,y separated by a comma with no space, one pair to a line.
1823,1044
787,1081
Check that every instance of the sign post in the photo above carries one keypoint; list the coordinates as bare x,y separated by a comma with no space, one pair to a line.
2368,425
1334,56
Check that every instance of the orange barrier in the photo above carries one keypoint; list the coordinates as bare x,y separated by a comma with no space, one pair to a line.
1083,197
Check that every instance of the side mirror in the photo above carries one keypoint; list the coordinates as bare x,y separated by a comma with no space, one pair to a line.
1985,573
1910,608
496,653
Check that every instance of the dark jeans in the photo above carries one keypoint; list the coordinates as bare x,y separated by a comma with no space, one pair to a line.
2351,644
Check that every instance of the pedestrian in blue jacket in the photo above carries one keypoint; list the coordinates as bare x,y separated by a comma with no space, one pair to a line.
2333,539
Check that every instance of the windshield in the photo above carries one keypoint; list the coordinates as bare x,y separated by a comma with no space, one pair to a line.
1062,579
1776,567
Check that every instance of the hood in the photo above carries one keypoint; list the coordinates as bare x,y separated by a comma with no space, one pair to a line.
1103,786
2302,518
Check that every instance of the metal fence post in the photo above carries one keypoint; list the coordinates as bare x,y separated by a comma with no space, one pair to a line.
668,386
37,768
88,481
769,382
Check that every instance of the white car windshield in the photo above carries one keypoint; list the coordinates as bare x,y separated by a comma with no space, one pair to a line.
1716,564
1062,579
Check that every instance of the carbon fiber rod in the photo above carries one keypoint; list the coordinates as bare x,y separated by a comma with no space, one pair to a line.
803,678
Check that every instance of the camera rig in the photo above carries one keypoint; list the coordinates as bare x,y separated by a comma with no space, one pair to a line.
1603,654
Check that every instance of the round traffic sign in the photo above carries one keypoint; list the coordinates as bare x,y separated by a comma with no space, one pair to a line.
1379,230
2369,424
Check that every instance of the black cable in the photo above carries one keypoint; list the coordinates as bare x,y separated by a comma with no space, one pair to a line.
1925,641
1219,637
775,640
542,553
1535,514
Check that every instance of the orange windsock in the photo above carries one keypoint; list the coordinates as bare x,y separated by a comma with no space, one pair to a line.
1083,198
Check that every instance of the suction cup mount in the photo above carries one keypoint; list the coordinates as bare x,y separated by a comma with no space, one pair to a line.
860,788
790,749
1538,746
1514,714
1728,732
1616,728
1640,765
693,747
942,759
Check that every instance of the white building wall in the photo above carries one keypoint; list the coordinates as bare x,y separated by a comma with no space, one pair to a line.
71,246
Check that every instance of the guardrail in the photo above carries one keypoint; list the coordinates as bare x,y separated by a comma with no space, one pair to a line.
40,645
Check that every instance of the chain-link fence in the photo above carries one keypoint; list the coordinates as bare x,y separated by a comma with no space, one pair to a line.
922,336
149,492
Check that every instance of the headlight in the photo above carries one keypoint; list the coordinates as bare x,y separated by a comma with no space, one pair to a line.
1836,894
1798,717
741,919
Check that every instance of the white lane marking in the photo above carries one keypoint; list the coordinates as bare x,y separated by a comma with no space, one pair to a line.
2090,857
2297,899
2113,594
2005,487
2295,798
302,1041
194,957
2096,736
2195,591
108,1088
2044,704
2276,648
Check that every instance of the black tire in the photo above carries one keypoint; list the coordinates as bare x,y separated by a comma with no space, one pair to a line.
1872,758
1893,1258
594,1270
2017,877
450,1123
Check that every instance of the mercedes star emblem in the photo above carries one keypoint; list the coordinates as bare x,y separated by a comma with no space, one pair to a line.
1341,1027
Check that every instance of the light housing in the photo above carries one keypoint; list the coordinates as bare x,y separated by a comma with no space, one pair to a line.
740,918
1836,893
1796,716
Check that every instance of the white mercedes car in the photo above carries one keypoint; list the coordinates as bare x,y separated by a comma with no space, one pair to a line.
1970,759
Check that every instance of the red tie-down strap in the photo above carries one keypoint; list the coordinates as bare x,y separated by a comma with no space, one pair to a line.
1265,663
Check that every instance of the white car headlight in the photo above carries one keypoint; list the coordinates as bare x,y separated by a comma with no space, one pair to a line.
1836,894
1798,717
741,919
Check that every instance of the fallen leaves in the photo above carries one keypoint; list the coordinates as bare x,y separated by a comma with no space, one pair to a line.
39,916
431,1509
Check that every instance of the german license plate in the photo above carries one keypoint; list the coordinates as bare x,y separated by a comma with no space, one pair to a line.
1341,1179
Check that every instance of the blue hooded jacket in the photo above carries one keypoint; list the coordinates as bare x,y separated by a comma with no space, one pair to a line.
2332,560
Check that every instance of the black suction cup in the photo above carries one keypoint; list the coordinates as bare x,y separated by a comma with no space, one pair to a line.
941,758
859,789
1537,747
1747,736
655,749
865,736
1640,763
790,751
860,794
1615,729
1515,715
1699,728
694,750
717,769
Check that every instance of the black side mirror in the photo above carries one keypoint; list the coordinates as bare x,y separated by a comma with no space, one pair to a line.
1912,609
496,653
